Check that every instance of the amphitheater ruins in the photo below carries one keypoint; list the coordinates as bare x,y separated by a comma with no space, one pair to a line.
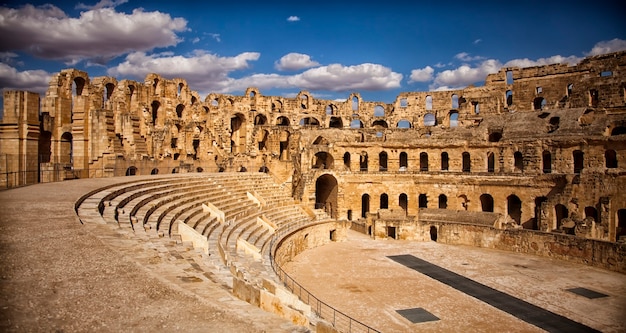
531,162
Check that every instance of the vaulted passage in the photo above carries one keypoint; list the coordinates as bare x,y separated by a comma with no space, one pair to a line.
326,194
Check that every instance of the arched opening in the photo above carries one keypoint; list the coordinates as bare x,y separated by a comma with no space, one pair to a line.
329,109
546,156
379,111
403,202
443,201
539,103
179,110
44,147
356,123
495,136
429,102
610,158
282,121
404,124
429,119
380,123
560,213
180,88
335,122
422,201
514,208
154,171
346,160
322,160
444,161
363,162
243,169
365,205
619,130
486,202
591,213
78,86
263,139
433,233
467,163
382,161
320,140
264,169
491,162
454,119
326,194
509,98
384,201
309,121
518,162
355,103
284,145
155,112
455,101
108,91
578,160
260,119
66,156
238,133
593,98
175,170
404,161
131,171
404,102
620,230
423,161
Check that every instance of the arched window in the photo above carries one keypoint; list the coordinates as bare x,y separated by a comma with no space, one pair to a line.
404,124
560,213
620,231
429,102
547,161
454,119
423,201
539,103
476,107
384,201
346,160
155,112
486,203
467,163
179,110
382,161
356,123
423,161
578,160
335,122
379,111
509,98
404,161
518,163
592,213
403,202
455,101
429,119
610,158
443,201
403,102
444,161
365,205
491,162
514,208
363,162
355,103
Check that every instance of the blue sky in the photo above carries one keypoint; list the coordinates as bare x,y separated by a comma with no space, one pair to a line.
330,48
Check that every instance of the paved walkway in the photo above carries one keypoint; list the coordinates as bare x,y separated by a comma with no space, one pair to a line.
358,278
57,275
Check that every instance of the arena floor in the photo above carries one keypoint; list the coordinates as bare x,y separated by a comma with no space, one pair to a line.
358,277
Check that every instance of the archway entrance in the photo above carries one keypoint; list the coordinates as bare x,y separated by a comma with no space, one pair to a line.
326,194
514,208
365,205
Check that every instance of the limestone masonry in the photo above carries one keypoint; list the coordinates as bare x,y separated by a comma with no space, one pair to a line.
540,148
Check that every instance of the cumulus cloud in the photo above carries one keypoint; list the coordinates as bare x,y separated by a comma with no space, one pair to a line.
608,46
557,59
464,56
293,18
99,33
295,61
334,77
422,75
30,80
101,4
465,74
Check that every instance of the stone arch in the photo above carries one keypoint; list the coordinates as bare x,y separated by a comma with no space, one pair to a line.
429,102
379,111
179,110
365,205
430,119
467,162
238,133
131,171
620,226
403,123
403,202
443,201
491,162
404,161
67,149
382,161
355,103
346,160
454,119
309,121
155,112
518,161
384,201
591,213
618,130
422,201
322,160
78,85
264,169
154,171
282,121
356,123
260,119
326,190
610,159
108,92
363,161
546,158
578,157
509,97
560,213
45,146
263,139
455,101
486,202
423,161
320,140
514,208
284,138
335,122
444,161
539,103
380,123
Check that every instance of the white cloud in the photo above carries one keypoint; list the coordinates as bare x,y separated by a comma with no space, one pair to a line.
465,75
464,56
99,34
422,75
293,18
608,46
295,61
101,4
477,41
525,62
30,80
195,40
201,70
215,36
